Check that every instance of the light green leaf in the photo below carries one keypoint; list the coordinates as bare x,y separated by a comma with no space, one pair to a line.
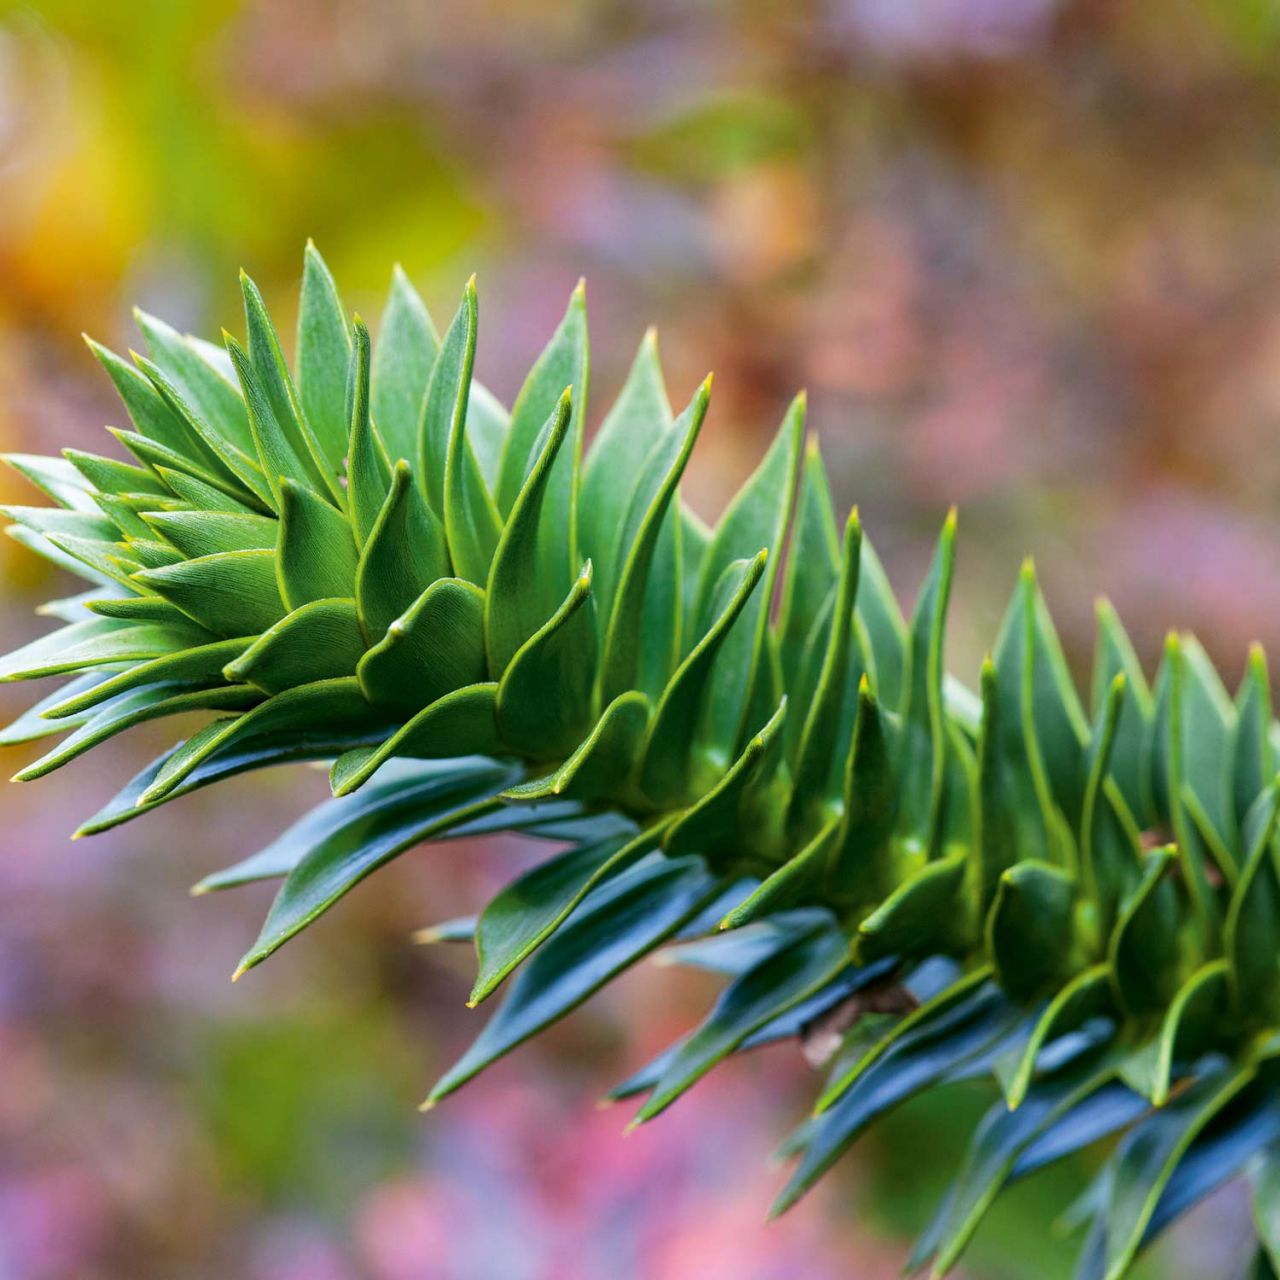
637,540
368,472
404,554
922,760
639,418
95,643
280,397
324,350
207,533
544,696
603,764
447,398
515,592
234,593
459,723
668,768
56,478
201,664
434,648
278,453
315,552
810,801
403,358
212,396
564,362
135,708
757,517
111,476
214,457
321,707
320,640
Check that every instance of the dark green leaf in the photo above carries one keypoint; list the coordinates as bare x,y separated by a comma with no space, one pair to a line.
1252,758
1144,946
331,859
813,562
1148,1156
769,989
916,914
618,924
810,801
533,906
1030,929
414,793
733,817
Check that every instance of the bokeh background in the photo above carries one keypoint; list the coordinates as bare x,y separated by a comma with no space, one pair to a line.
1024,255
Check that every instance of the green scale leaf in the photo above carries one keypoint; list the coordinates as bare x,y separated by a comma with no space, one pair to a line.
364,560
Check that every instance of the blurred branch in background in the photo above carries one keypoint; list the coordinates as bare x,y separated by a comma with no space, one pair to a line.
1024,253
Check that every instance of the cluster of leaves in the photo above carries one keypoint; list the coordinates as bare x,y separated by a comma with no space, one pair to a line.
370,560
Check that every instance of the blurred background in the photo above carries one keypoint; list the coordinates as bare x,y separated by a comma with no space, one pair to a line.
1024,255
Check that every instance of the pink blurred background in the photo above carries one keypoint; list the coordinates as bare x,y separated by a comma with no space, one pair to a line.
1024,255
